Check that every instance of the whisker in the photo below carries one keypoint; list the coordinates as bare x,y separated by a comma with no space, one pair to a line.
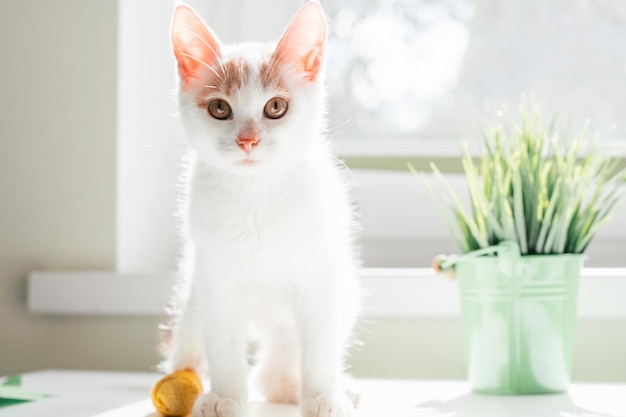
216,53
342,163
202,62
339,126
224,68
278,56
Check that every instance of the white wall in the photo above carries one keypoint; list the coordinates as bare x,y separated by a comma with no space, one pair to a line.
57,178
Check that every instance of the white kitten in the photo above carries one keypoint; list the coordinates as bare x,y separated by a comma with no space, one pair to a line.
268,221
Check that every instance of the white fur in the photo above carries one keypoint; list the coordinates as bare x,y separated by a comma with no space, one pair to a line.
270,253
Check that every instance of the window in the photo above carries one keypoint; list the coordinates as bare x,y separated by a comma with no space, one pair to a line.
423,69
393,63
418,74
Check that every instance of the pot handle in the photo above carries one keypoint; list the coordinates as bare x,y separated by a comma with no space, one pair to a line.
507,250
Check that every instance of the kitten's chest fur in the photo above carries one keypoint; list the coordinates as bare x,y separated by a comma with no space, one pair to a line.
268,223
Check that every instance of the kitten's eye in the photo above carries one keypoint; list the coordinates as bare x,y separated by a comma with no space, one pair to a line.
275,108
220,109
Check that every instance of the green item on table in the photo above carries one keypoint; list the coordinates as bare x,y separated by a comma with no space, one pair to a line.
11,392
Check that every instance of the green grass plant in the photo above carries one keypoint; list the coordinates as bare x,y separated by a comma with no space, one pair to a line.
539,187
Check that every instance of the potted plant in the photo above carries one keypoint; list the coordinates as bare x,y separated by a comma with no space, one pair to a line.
537,200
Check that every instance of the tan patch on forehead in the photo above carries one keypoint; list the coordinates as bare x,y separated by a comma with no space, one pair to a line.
271,75
232,75
225,78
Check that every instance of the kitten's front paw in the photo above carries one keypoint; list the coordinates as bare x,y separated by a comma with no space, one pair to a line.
324,406
212,405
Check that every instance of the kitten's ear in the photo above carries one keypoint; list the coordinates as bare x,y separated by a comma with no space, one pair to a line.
302,43
194,45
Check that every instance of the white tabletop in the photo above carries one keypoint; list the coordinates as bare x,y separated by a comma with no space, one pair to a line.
120,394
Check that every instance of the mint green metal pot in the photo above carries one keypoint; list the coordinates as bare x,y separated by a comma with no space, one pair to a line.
519,316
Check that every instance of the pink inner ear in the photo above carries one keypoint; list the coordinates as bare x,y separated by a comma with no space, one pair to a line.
302,43
195,47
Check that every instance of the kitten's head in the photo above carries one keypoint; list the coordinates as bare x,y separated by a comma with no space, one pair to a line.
251,107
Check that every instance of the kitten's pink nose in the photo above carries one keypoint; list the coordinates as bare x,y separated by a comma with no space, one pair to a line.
247,143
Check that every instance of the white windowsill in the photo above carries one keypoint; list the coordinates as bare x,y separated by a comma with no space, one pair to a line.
432,148
392,292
